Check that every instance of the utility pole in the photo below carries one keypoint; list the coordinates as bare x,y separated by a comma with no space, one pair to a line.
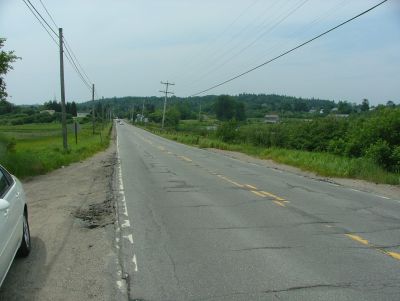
200,111
63,112
93,107
167,84
143,111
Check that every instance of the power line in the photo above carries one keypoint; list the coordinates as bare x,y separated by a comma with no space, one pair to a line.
41,23
51,28
71,52
289,51
222,50
48,14
71,57
67,55
296,33
270,29
203,50
77,61
76,69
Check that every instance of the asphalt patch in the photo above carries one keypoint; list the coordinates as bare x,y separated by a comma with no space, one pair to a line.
97,215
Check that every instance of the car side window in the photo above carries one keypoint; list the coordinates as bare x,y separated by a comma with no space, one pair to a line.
4,185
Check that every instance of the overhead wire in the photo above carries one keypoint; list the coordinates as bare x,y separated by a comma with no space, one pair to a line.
66,43
68,50
296,33
41,23
203,50
289,51
229,45
254,41
41,17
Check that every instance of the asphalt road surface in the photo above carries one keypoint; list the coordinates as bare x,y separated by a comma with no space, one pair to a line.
197,225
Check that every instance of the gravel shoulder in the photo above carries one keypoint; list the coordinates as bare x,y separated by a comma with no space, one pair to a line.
71,216
390,191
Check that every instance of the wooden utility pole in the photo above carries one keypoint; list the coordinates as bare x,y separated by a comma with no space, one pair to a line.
63,111
200,111
93,107
143,110
167,84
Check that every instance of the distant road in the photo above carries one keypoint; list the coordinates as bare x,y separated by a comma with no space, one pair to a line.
204,226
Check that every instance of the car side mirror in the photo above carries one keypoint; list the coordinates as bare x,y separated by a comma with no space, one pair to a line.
4,205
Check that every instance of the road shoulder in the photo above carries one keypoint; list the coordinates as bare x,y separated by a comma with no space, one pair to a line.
71,215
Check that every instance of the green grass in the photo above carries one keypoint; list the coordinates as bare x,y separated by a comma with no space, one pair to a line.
323,164
38,147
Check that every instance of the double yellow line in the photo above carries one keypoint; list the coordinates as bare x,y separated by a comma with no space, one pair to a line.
261,193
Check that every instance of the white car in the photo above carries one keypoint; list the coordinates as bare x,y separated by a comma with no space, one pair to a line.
14,229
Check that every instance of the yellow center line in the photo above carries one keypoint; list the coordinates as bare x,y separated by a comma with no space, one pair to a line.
273,196
258,193
251,186
279,203
186,158
393,254
358,239
230,181
367,243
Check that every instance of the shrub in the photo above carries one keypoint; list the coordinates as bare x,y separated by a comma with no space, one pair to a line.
227,131
380,153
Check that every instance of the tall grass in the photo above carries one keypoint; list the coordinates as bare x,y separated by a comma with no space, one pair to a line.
322,163
38,147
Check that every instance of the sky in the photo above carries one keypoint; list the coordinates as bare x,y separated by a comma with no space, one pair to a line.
126,47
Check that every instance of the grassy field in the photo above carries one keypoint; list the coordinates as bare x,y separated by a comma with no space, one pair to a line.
324,164
32,149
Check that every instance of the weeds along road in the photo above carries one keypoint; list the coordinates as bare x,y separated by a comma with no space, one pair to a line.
198,225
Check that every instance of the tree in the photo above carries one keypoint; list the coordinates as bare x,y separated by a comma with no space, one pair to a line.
73,109
6,59
150,108
364,105
172,117
53,105
344,107
225,107
240,112
5,107
390,104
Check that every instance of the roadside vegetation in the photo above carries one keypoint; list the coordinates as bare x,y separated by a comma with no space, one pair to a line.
33,149
362,145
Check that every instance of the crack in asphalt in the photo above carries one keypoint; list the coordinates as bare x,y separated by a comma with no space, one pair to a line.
388,247
265,248
295,288
277,291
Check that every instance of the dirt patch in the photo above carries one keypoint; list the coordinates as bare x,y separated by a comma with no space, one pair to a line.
391,191
97,215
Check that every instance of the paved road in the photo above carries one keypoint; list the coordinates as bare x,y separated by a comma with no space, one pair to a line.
203,226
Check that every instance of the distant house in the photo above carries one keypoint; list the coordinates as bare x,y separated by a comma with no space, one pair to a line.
312,111
51,112
271,118
81,114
